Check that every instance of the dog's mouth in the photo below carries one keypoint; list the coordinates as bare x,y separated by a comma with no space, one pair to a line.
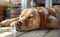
18,26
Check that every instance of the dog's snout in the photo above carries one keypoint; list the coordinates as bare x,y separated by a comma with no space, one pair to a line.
18,23
18,26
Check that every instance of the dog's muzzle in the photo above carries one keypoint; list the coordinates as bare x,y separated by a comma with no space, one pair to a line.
18,26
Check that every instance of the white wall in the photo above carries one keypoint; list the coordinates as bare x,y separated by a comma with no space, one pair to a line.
25,4
48,3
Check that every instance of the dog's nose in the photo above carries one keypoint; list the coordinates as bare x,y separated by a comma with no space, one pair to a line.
19,23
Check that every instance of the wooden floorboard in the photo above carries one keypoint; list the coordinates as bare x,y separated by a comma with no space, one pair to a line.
5,32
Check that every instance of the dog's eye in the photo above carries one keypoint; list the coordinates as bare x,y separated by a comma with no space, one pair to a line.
22,15
29,17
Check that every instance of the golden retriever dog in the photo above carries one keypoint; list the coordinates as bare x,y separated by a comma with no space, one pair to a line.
36,18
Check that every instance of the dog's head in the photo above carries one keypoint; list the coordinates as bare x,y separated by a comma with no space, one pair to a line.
29,20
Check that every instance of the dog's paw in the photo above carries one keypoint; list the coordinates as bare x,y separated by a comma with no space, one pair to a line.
5,23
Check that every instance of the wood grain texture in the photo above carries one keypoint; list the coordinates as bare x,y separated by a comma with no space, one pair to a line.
36,33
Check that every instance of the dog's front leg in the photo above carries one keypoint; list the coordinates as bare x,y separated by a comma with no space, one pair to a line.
7,22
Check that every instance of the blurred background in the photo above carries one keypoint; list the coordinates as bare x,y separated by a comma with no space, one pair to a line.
12,8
